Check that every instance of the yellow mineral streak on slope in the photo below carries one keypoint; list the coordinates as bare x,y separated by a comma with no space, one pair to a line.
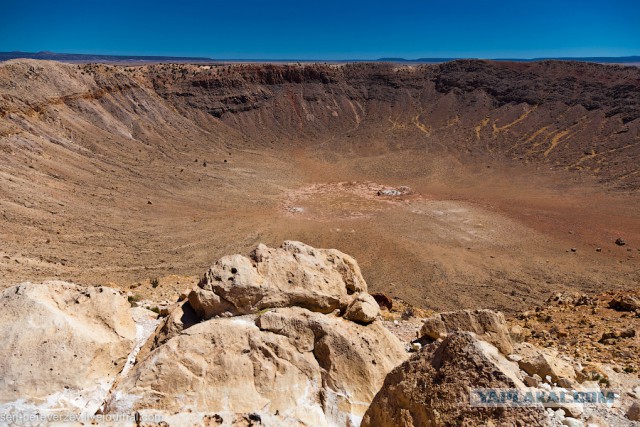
555,141
453,121
598,156
482,124
536,134
424,128
523,116
532,137
395,123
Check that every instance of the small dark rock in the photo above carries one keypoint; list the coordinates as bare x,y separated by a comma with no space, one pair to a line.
625,303
255,417
610,337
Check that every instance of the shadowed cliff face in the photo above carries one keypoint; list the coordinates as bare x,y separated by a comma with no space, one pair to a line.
572,115
118,174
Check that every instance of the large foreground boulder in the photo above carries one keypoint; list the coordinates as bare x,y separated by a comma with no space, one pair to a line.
285,364
295,274
488,325
62,339
433,388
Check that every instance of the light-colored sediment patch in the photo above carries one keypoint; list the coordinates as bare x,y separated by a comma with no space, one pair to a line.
342,200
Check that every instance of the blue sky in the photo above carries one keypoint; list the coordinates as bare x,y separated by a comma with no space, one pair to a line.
328,29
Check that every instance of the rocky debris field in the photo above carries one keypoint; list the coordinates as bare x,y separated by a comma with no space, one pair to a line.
599,329
292,336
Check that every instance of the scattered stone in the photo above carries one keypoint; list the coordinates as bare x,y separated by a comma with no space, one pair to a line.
596,421
611,337
574,299
532,381
633,413
566,383
544,362
584,299
514,357
620,241
558,331
487,324
572,422
363,309
622,302
519,334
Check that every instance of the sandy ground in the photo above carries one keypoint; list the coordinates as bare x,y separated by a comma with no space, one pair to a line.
463,237
104,181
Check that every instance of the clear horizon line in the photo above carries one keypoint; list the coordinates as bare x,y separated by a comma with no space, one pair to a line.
389,58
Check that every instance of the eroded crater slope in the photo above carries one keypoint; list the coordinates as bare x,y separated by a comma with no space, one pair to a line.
521,175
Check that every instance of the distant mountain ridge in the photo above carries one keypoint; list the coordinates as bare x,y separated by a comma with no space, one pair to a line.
86,58
599,59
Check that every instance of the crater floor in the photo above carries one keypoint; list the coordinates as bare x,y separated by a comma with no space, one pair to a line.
109,176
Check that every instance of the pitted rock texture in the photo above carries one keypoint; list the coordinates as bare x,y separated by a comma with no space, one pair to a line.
295,274
310,367
58,337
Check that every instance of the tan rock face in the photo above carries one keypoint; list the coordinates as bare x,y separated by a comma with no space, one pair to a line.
320,280
488,325
59,337
544,362
181,317
319,369
363,309
291,361
518,333
432,388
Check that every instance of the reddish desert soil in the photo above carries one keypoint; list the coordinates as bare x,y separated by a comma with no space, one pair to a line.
117,175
